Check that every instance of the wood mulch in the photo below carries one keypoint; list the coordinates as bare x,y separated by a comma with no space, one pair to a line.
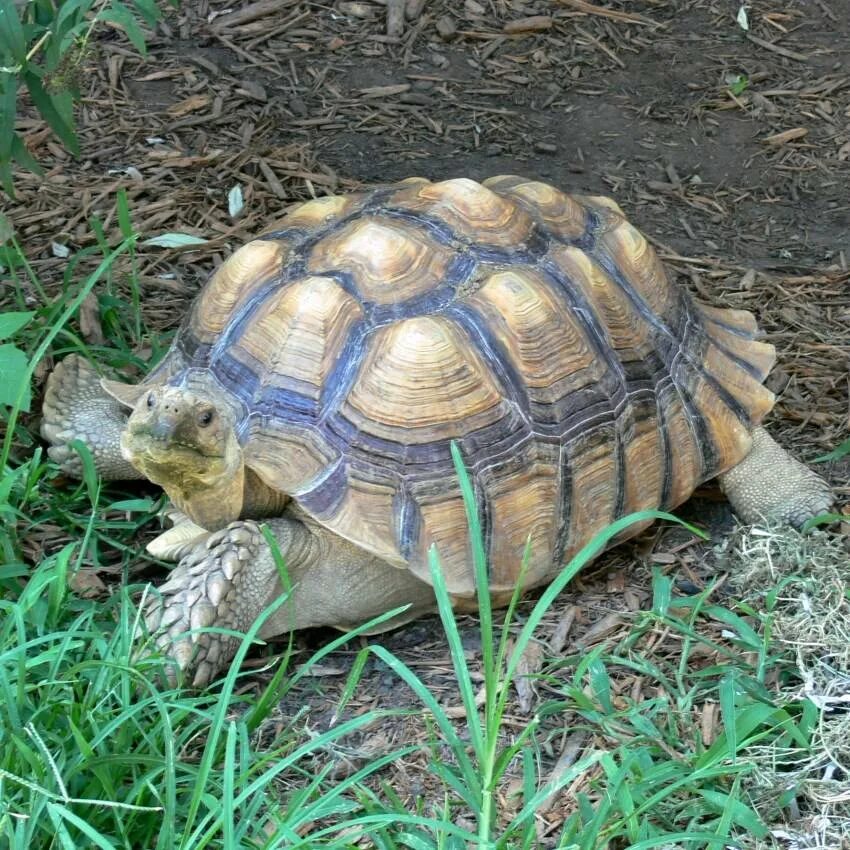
729,148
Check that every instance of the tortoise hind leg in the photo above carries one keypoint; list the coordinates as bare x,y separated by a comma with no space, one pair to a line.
228,578
771,485
76,407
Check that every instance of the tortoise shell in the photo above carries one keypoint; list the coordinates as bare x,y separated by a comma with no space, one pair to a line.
362,334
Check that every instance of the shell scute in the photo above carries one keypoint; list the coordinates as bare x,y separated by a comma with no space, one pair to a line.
233,284
389,261
541,335
471,210
297,334
422,381
557,211
523,497
320,212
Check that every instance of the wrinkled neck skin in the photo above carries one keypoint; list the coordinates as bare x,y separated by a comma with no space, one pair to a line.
260,501
210,495
210,506
216,501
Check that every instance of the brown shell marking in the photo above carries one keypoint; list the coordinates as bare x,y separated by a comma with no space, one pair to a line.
367,506
389,260
539,332
559,212
593,486
471,210
750,393
735,331
286,458
729,436
421,381
639,263
644,461
320,212
602,202
233,284
524,502
297,335
443,524
629,334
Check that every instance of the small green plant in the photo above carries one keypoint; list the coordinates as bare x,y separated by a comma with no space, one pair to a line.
43,48
739,84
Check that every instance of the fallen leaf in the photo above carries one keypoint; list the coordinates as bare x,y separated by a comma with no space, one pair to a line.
87,583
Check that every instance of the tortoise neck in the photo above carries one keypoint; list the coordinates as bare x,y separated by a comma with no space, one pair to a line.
213,506
259,500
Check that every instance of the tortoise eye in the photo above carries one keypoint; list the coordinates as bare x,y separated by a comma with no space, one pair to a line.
151,400
205,418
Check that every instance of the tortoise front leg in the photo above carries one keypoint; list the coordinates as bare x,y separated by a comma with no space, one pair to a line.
230,577
771,485
76,407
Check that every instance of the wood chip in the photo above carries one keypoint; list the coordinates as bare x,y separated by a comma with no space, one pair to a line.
251,12
572,749
786,136
90,326
601,629
457,712
709,717
775,48
385,91
87,584
395,18
535,23
528,667
190,104
562,630
625,17
413,9
604,48
446,28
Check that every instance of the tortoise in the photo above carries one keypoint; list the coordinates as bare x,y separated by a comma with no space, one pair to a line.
322,374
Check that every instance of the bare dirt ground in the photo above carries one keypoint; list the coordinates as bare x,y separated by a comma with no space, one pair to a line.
729,148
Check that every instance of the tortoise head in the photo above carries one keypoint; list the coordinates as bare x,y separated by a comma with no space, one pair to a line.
186,443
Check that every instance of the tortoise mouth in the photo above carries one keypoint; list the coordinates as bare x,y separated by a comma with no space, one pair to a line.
165,460
163,446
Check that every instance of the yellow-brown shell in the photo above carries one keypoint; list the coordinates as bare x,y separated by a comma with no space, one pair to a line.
363,334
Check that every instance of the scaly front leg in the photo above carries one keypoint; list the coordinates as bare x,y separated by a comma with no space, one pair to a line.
230,577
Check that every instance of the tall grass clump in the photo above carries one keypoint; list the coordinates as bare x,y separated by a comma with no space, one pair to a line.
96,750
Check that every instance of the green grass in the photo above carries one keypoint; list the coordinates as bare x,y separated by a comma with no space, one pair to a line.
96,750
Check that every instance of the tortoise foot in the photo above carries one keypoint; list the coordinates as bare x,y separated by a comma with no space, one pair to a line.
76,407
223,582
770,485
